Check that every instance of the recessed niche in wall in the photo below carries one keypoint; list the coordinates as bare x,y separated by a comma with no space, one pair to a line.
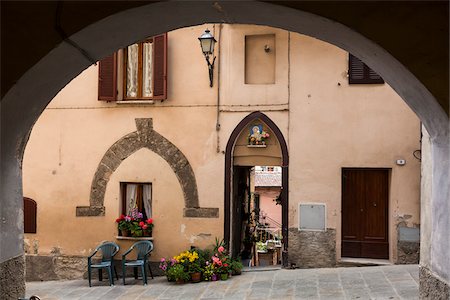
312,216
260,59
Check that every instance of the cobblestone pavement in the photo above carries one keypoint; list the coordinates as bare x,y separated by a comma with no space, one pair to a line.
382,282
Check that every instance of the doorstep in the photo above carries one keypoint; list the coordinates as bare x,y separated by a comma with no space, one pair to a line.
362,262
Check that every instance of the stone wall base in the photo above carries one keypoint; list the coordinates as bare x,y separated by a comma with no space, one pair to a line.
431,287
12,279
408,252
312,249
44,268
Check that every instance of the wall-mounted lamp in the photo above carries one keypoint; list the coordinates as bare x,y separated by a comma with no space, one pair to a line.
207,42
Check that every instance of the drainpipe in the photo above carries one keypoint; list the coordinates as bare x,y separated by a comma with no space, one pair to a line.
218,88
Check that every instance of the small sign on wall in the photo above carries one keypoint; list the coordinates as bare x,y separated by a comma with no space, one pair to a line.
312,216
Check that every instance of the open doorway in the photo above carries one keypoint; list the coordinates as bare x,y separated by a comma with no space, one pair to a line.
257,217
256,198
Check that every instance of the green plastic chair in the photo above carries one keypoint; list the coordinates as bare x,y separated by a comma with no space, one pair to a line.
108,249
143,249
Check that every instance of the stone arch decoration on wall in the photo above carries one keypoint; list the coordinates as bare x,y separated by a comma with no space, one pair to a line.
145,137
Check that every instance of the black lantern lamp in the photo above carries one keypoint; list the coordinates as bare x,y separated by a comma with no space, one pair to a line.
207,42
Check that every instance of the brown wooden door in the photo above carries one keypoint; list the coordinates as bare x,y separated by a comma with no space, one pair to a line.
365,213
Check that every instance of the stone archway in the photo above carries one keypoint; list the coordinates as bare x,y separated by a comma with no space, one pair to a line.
145,137
25,101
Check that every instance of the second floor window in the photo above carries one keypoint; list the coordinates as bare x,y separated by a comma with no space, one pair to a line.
144,72
360,73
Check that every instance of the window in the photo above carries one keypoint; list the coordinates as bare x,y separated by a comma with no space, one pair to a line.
360,73
29,215
137,195
144,72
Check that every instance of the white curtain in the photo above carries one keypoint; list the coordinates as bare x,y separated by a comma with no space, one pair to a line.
132,70
147,71
131,197
147,195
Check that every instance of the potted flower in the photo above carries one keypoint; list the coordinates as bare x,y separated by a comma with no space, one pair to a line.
236,267
209,272
178,273
165,265
124,225
195,270
221,262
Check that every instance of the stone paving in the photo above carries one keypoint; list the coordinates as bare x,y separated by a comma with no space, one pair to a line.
382,282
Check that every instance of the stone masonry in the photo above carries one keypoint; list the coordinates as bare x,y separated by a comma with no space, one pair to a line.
145,137
312,249
431,287
12,278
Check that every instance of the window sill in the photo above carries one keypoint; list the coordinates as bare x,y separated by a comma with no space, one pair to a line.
130,238
256,146
141,102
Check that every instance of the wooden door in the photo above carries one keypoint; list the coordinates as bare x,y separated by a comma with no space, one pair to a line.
365,213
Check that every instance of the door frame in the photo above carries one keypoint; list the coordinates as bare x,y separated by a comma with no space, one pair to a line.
284,177
388,202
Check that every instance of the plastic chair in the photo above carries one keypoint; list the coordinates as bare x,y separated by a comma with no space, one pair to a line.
108,249
143,249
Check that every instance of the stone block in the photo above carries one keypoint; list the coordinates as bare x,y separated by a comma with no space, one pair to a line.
408,252
312,249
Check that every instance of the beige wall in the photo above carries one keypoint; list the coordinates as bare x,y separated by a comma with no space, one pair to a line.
327,124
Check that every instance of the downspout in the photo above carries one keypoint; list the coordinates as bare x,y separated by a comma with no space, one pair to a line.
218,88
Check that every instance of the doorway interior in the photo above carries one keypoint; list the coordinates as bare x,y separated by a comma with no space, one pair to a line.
257,215
247,230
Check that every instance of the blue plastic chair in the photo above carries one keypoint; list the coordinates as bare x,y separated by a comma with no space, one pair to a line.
143,249
108,249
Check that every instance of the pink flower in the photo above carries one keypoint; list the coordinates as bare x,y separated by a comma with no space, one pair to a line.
141,224
221,249
145,226
163,259
149,221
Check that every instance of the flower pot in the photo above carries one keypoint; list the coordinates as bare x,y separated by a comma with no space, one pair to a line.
179,281
196,277
214,277
224,276
124,232
147,233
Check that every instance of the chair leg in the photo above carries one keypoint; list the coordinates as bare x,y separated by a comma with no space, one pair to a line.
115,271
149,267
135,270
89,275
111,278
123,273
100,274
144,274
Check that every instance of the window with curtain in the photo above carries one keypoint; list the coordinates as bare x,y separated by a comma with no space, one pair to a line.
137,195
144,72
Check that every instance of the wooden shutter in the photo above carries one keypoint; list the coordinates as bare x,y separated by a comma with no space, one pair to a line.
107,78
29,215
160,67
360,73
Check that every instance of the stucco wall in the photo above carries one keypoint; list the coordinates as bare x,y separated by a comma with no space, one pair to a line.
327,124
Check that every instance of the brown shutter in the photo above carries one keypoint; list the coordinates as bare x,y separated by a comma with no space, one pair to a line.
160,67
360,73
107,78
29,215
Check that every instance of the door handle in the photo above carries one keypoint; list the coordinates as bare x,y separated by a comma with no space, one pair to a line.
375,204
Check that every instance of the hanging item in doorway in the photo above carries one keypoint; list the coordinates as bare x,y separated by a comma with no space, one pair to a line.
257,136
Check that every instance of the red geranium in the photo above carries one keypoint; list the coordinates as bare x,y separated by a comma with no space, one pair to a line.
149,221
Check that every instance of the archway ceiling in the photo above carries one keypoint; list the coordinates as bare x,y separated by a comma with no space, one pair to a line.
414,32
